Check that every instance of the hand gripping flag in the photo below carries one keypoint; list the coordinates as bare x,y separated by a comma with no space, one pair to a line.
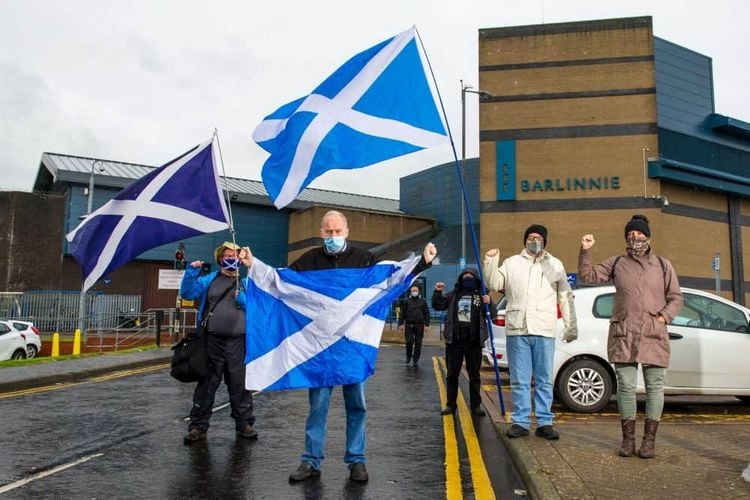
176,201
377,106
318,328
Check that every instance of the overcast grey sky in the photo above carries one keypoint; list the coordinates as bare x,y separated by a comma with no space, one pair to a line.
143,81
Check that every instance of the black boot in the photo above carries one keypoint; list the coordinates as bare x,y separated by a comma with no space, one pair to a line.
627,448
649,439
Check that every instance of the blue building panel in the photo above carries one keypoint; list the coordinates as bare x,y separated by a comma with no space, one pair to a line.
687,123
506,170
436,193
684,87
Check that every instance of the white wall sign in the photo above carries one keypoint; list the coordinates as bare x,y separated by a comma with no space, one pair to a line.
170,279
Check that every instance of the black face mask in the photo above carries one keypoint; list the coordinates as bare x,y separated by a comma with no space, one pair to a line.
469,284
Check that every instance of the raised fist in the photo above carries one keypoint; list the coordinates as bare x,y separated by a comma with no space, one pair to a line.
440,286
587,241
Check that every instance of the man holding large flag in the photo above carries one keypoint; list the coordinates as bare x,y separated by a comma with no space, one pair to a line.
335,253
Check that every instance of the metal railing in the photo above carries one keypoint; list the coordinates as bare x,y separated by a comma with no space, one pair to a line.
58,310
151,326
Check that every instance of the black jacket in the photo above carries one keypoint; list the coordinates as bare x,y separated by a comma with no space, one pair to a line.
414,311
449,303
319,258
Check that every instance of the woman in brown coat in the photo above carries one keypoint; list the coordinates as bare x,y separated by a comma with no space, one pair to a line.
647,298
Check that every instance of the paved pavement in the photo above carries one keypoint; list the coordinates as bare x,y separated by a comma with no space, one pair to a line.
702,448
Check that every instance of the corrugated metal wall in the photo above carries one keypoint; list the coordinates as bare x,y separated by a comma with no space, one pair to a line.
436,193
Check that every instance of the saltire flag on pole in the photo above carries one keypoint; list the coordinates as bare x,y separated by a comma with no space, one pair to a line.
318,328
377,106
176,201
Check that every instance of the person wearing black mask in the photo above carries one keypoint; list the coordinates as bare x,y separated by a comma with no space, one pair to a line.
465,333
415,317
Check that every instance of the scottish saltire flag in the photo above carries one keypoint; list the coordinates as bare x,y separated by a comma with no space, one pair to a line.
318,328
176,201
377,106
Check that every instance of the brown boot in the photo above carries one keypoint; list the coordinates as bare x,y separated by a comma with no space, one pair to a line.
627,448
649,438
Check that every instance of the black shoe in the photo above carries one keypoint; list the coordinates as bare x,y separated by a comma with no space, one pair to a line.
478,411
358,473
304,472
516,431
547,432
194,435
448,410
408,360
415,363
248,432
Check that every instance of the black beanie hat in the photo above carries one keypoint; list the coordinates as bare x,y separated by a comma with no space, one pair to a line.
638,223
536,228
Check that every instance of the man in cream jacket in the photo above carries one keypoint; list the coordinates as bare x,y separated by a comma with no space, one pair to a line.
535,284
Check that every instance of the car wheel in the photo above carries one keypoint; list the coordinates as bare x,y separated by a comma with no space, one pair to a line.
585,386
745,399
31,351
19,354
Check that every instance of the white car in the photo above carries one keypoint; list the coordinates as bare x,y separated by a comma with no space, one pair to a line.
12,343
710,341
33,340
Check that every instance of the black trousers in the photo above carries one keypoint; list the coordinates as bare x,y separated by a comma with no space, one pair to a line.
454,358
413,333
227,360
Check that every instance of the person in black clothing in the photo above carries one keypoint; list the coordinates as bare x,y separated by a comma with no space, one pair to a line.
222,306
465,333
415,317
336,253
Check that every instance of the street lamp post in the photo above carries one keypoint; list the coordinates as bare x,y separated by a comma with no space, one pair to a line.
482,95
89,207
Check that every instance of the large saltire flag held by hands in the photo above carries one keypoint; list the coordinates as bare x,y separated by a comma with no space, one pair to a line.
377,106
176,201
318,328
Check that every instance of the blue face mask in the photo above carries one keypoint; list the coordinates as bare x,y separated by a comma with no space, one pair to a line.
230,264
334,244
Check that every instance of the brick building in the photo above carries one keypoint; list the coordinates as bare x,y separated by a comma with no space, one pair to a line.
590,122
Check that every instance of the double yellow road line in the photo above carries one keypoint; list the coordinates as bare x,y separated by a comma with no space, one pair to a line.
101,378
479,476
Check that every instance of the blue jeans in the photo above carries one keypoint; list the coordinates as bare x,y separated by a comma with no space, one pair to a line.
529,354
356,417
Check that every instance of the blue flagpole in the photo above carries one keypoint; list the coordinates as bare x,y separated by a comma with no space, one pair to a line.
475,246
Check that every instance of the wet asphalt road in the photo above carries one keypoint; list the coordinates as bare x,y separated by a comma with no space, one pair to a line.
124,439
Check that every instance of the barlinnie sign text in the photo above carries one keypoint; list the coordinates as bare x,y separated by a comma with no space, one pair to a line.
570,184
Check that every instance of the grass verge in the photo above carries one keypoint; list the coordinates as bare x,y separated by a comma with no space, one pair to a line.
49,359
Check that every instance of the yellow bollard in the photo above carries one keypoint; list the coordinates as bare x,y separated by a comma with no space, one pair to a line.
55,345
77,342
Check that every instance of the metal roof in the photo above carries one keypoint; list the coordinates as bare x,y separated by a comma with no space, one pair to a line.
77,169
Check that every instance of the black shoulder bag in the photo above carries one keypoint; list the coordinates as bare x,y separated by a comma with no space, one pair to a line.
190,355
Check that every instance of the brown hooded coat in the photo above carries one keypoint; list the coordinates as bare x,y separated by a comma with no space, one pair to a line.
644,290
